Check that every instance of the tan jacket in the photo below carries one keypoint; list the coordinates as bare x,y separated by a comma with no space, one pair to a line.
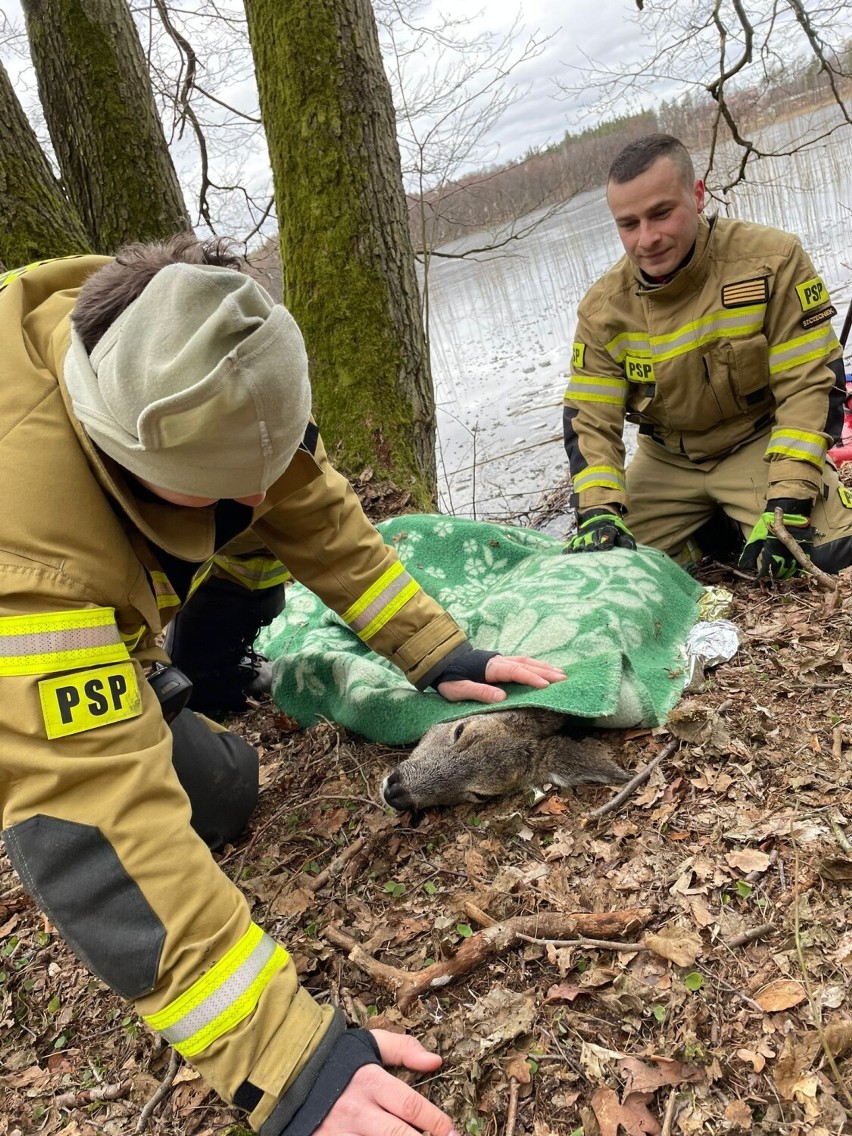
87,789
737,345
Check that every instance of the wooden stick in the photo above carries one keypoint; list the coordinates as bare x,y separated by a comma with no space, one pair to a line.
512,1112
162,1089
749,936
668,1119
314,883
640,778
500,937
88,1096
781,533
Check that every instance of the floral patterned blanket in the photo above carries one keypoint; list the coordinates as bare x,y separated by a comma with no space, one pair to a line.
615,621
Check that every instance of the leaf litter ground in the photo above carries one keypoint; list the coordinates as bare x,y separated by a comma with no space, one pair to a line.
722,1003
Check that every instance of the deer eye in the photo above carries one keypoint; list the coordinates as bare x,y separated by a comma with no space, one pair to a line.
457,732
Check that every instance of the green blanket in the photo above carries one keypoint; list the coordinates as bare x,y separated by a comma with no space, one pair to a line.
615,621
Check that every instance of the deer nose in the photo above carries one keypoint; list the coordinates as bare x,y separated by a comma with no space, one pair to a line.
395,793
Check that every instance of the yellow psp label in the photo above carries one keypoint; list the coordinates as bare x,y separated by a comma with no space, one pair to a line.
578,354
88,699
812,293
638,369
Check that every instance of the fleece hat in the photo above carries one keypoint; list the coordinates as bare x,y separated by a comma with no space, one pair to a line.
200,386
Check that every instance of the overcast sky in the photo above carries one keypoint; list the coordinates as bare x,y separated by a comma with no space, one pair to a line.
581,31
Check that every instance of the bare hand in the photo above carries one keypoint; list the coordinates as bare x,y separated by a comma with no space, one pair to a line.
502,668
374,1102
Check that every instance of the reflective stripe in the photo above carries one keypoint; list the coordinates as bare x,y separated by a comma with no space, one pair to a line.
254,572
223,997
798,444
381,601
59,641
814,345
165,593
696,333
599,476
596,388
131,639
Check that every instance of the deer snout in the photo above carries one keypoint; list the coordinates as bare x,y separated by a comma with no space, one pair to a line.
395,793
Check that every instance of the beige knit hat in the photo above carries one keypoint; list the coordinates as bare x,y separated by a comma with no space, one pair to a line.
200,386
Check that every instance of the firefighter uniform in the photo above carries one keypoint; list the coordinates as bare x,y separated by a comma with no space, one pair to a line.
734,376
95,820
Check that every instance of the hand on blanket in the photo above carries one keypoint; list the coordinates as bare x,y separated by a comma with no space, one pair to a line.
501,668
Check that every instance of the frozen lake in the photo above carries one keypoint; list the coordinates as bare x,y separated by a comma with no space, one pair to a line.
501,326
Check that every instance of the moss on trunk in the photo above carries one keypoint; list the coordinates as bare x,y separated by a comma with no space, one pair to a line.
348,265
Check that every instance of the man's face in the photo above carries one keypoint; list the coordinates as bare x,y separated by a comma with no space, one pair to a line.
656,216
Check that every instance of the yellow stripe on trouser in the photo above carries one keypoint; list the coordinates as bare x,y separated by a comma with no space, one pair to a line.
223,997
381,601
59,641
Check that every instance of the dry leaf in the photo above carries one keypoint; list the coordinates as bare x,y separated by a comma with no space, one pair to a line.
749,860
836,868
519,1069
756,1060
793,1062
739,1114
678,945
640,1077
564,992
632,1116
781,994
838,1038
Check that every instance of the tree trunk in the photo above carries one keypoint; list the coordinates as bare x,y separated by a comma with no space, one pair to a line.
38,222
347,261
99,108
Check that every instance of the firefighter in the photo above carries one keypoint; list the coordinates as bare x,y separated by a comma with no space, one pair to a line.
714,336
156,446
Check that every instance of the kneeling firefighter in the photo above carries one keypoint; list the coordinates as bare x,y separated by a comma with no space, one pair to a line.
157,407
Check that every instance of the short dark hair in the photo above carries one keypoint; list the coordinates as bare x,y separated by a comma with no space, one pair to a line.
640,155
113,288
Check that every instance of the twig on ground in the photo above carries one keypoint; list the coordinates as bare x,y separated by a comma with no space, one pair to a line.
162,1090
493,940
737,993
668,1119
592,944
840,836
512,1111
837,743
750,935
89,1096
780,531
640,778
816,1013
314,883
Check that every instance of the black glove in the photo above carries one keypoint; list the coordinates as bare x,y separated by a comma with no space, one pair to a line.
301,1113
764,553
599,529
467,664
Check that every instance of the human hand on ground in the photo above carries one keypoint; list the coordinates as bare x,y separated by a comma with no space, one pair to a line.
375,1103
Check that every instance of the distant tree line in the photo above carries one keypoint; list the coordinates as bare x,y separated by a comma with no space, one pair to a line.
543,179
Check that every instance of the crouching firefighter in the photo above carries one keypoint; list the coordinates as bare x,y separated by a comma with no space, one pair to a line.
156,406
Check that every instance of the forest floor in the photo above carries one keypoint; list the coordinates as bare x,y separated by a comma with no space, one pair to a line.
715,998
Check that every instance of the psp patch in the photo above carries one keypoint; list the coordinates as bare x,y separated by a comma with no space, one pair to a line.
818,317
88,699
743,293
578,354
638,369
812,294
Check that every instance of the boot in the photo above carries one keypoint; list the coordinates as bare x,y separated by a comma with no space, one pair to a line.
211,639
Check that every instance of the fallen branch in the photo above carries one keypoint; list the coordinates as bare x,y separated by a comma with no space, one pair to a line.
314,883
640,778
490,941
162,1089
781,533
89,1096
749,936
512,1112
